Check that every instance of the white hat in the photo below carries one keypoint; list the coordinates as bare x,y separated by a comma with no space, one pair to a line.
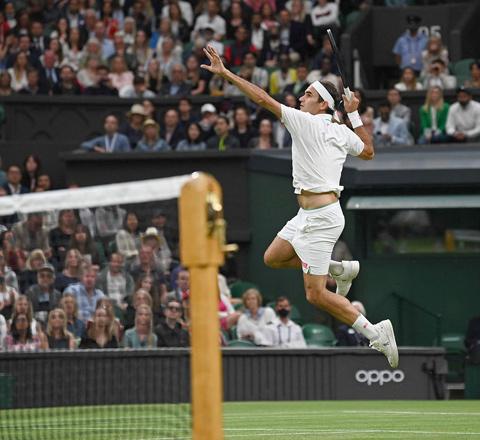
151,232
208,108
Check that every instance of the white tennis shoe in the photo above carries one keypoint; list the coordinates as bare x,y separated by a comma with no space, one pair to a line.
344,281
385,343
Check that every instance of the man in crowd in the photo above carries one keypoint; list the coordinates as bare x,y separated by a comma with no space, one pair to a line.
463,120
171,130
388,129
169,331
31,234
14,179
111,142
409,46
223,140
397,108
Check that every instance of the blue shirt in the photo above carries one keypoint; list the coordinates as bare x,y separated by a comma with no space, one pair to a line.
118,143
86,303
410,50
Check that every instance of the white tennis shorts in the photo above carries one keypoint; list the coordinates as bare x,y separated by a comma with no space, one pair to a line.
313,233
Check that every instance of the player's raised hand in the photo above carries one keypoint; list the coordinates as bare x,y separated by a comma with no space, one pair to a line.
351,104
216,64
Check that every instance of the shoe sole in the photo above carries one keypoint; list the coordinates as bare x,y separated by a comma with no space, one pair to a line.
355,270
391,339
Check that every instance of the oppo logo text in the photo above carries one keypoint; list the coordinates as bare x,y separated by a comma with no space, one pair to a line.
379,377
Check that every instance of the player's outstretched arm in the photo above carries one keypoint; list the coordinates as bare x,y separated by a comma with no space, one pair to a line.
368,152
253,92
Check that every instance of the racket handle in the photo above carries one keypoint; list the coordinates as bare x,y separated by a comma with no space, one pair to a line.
348,93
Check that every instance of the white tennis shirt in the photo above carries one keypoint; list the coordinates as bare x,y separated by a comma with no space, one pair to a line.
319,150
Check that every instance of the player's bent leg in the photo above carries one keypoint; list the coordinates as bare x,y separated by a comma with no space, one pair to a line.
281,255
344,272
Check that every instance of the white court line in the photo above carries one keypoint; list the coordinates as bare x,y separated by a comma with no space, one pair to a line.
416,413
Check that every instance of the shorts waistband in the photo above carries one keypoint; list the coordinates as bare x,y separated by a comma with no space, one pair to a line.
321,208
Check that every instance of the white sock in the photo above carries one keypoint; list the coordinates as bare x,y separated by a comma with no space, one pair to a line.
365,327
335,267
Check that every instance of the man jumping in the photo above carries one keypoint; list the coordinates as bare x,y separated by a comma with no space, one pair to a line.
319,150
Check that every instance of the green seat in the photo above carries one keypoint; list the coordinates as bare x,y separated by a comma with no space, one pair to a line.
455,355
233,333
241,343
461,70
295,314
238,288
318,335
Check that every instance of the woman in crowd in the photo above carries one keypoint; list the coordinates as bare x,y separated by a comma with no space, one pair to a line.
72,51
90,250
254,318
474,80
113,311
133,129
120,75
141,336
28,277
61,236
141,296
151,140
265,140
235,17
195,77
69,305
149,108
178,25
18,72
193,140
141,50
157,293
14,256
72,272
153,76
435,50
408,81
5,83
127,240
101,333
20,336
58,337
130,31
62,31
242,127
24,305
433,118
226,312
87,76
32,167
8,296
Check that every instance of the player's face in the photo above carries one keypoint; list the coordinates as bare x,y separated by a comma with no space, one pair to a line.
310,103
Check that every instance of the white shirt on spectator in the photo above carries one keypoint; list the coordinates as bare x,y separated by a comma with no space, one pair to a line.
17,84
205,21
3,332
325,15
255,326
402,87
464,119
185,9
287,335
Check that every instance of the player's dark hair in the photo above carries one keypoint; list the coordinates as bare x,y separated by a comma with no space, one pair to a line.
335,95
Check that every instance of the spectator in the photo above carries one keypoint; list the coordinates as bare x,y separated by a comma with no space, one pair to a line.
208,120
185,8
171,130
117,284
101,333
145,265
177,86
293,36
108,220
463,120
258,36
269,21
142,335
193,140
137,90
133,129
43,295
139,49
103,85
265,139
301,84
169,331
235,52
33,87
68,304
367,113
5,83
257,5
20,337
31,169
408,81
38,40
121,51
196,79
281,134
437,76
283,76
58,336
347,336
211,19
112,142
49,73
14,179
433,118
68,84
235,17
28,276
259,74
409,47
31,234
226,312
127,240
153,75
151,141
44,183
60,237
434,50
106,45
73,53
86,294
323,16
388,129
141,296
18,72
255,318
398,109
119,75
179,25
242,127
88,75
3,332
167,57
5,258
324,74
284,332
185,112
155,239
474,81
149,109
8,295
92,252
182,288
92,49
223,140
72,273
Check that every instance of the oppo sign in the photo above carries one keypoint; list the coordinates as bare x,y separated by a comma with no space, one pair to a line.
371,377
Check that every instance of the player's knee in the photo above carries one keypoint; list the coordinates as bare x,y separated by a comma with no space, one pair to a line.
315,295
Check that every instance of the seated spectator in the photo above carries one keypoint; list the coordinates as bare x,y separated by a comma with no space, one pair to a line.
185,9
14,181
20,337
259,74
207,121
43,295
463,120
433,118
283,332
226,312
255,318
133,129
18,72
236,51
8,296
161,251
177,86
141,296
60,237
31,169
269,20
171,130
31,234
145,265
258,34
153,76
49,72
68,84
91,251
280,133
92,49
195,78
193,140
169,330
325,73
33,87
103,85
301,84
324,16
210,19
347,336
149,109
151,141
139,49
86,294
167,55
44,183
5,81
28,276
112,142
5,265
121,51
58,337
388,129
127,240
186,113
283,76
242,127
75,326
72,272
3,332
117,284
119,74
137,90
223,140
437,76
112,310
179,25
367,113
398,109
72,50
408,81
106,45
182,287
88,75
142,335
293,36
265,139
474,81
435,50
409,47
101,333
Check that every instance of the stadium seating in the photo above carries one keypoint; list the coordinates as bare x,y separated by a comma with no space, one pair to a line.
318,335
241,343
455,355
461,70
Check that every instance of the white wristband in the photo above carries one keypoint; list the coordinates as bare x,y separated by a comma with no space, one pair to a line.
355,119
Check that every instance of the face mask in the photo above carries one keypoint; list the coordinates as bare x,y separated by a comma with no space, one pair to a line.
283,313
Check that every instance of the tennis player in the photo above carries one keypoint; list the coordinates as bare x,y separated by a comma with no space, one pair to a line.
319,150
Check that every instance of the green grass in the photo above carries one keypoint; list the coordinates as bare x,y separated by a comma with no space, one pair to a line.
260,420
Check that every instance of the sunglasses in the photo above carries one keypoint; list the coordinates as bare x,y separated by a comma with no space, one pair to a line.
174,309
